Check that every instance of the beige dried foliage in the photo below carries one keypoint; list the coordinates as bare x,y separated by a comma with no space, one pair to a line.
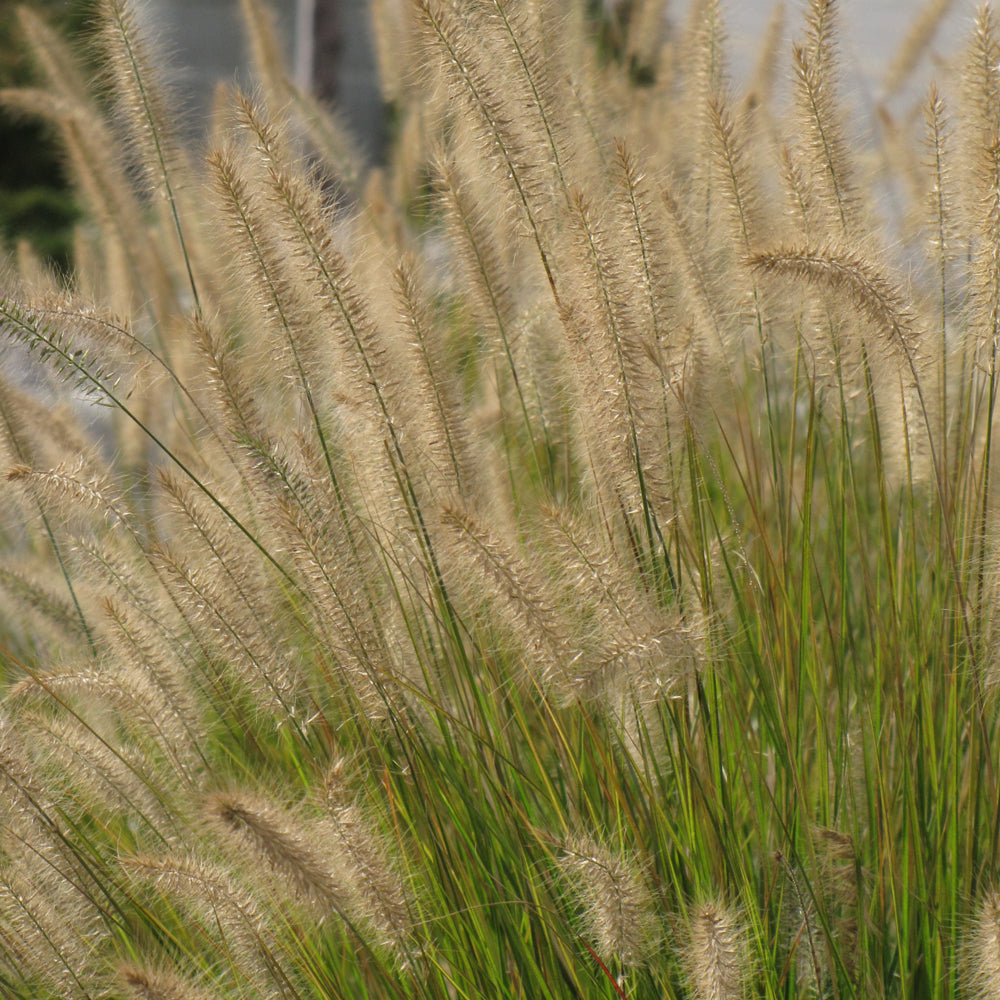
382,511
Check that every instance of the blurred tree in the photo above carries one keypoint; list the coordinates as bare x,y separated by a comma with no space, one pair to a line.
35,201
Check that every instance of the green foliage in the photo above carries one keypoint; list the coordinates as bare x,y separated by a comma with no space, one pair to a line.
35,201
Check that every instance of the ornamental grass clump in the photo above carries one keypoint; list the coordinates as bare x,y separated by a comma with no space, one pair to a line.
556,562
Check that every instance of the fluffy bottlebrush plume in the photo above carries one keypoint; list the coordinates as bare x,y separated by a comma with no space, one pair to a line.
488,565
338,154
646,239
979,108
299,218
740,193
653,656
123,576
690,272
451,43
59,954
658,412
346,615
802,929
390,32
18,434
913,46
325,131
143,983
25,801
717,955
614,903
367,365
702,345
282,841
980,953
341,573
380,897
99,337
739,188
229,916
837,882
227,631
53,55
818,117
98,775
760,90
226,549
532,70
639,651
983,309
34,271
704,74
32,436
989,665
290,319
492,284
337,865
264,45
939,142
803,210
837,268
909,418
138,639
478,252
704,43
55,438
227,382
142,708
141,102
48,873
89,363
943,244
602,341
443,438
72,492
59,616
650,671
590,566
820,912
99,175
895,354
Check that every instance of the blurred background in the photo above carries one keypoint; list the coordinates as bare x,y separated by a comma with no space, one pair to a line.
328,45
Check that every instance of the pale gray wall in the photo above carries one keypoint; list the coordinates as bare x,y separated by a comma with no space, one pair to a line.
205,43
